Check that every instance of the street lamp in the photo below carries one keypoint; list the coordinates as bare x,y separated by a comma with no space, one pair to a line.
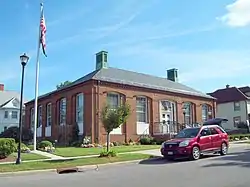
209,114
184,114
24,59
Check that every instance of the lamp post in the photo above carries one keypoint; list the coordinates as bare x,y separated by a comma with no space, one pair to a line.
184,114
24,59
209,114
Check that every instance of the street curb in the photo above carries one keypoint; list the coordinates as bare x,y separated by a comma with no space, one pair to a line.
80,168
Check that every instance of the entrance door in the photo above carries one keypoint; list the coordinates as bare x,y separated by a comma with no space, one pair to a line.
166,122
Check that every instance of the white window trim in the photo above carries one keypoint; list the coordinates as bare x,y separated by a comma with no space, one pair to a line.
146,123
237,108
12,114
48,117
207,108
174,113
146,112
117,131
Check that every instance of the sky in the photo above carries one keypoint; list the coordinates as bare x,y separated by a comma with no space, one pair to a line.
207,41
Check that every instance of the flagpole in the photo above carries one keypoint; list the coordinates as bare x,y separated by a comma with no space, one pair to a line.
37,79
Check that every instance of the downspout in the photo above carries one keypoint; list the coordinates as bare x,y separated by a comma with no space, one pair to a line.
246,111
97,112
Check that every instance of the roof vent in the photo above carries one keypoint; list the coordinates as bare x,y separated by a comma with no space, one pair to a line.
101,60
172,74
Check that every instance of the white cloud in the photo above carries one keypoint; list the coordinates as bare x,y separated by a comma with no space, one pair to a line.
238,14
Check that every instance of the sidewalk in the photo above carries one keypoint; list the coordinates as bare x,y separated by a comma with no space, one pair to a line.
155,152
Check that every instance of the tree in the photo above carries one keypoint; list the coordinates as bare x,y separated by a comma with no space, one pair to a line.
63,84
114,118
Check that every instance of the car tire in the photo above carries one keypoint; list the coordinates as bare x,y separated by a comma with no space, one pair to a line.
195,155
223,149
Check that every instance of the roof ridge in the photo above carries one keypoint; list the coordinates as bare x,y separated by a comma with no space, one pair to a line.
242,93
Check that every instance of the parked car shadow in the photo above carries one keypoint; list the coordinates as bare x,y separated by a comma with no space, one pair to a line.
232,159
156,160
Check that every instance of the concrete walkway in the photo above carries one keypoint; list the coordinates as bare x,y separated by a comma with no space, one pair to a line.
154,152
46,154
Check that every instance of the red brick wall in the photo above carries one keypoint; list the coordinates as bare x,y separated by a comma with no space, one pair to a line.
154,115
95,98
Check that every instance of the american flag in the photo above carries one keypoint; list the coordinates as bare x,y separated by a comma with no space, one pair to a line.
43,33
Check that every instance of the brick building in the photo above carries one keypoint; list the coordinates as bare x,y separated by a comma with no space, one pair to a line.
153,100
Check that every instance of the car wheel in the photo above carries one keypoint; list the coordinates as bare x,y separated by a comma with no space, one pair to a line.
223,149
195,155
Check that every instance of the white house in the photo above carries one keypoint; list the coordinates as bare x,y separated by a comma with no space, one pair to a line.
233,104
9,108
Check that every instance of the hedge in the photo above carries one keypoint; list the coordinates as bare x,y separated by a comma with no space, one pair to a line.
7,147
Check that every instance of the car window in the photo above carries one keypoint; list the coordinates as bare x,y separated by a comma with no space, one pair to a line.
213,131
221,129
205,132
188,133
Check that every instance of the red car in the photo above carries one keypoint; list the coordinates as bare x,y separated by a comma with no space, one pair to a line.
194,142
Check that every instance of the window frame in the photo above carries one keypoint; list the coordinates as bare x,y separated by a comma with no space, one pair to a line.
188,115
62,111
236,117
48,115
40,116
141,111
6,116
79,108
204,130
236,108
16,116
32,117
111,106
204,116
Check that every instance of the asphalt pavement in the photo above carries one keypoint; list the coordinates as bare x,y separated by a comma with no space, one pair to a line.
232,170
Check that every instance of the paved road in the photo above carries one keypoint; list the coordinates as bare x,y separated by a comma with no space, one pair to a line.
232,170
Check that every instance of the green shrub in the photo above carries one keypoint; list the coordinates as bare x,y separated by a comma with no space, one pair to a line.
44,144
7,147
146,140
108,154
117,143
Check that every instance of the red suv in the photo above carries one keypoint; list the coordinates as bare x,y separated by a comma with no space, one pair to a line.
193,142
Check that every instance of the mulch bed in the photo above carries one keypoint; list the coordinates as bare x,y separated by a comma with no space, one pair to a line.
8,159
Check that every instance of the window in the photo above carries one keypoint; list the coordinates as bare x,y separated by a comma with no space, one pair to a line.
40,117
48,115
141,109
236,106
113,100
32,118
213,131
6,114
14,114
204,112
188,113
62,115
236,121
205,132
79,107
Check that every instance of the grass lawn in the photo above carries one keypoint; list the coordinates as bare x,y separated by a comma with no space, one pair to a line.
69,163
29,156
77,151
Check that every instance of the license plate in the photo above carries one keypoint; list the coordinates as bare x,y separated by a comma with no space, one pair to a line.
170,153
